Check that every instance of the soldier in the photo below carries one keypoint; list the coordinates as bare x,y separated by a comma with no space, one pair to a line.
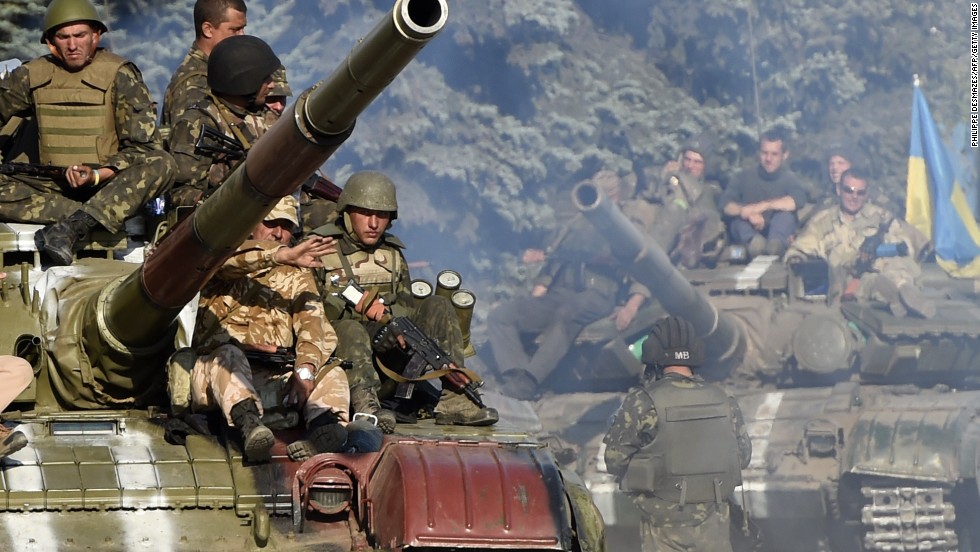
277,98
257,303
761,203
239,78
870,252
580,283
678,445
372,258
214,21
95,117
684,217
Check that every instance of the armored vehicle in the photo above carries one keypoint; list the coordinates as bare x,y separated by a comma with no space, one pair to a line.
97,473
864,426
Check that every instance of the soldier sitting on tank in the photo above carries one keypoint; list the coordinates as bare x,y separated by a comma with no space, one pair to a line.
95,118
579,283
372,258
760,203
677,445
262,299
871,253
683,216
212,136
214,21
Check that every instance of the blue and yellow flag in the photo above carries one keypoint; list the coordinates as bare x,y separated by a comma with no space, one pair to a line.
935,202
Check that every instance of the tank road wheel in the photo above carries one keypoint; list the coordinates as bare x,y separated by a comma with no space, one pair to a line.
908,518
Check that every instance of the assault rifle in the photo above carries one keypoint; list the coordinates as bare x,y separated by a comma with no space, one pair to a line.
34,170
426,355
212,141
284,358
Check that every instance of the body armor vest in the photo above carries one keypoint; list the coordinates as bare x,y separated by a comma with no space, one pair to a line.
372,270
75,115
694,457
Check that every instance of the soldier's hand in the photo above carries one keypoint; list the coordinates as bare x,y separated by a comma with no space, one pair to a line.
757,221
298,390
307,253
532,256
625,315
671,166
539,290
79,175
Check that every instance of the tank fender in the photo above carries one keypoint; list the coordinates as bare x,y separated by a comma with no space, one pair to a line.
920,440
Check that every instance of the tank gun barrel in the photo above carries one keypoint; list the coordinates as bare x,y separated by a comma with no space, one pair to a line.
650,266
137,311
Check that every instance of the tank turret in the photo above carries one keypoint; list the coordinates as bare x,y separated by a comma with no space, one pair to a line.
864,425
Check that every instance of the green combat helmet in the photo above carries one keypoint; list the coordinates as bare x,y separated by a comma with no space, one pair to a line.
673,342
369,190
62,12
239,65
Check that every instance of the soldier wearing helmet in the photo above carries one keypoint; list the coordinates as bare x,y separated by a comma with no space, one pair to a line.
368,256
277,98
677,445
93,116
212,136
214,21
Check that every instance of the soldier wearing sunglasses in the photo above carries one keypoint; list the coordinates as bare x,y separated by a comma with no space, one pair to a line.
871,253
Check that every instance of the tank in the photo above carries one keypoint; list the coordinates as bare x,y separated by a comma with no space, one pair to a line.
864,426
98,472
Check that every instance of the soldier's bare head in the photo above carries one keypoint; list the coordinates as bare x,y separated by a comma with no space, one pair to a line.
216,20
693,163
773,150
853,190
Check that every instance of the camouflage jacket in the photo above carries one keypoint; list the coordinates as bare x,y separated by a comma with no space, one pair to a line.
635,426
836,238
199,171
382,268
135,118
578,258
254,300
188,85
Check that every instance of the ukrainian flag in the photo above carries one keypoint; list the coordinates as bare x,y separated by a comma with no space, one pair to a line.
935,202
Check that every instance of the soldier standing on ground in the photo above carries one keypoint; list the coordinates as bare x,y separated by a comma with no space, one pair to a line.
678,445
372,258
871,253
94,116
257,302
239,78
214,21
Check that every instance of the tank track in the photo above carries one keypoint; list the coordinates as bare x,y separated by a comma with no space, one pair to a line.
908,518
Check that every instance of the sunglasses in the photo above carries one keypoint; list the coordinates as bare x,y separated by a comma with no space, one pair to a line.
853,191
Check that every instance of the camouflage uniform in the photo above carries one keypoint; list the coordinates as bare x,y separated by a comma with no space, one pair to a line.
668,526
133,148
188,85
836,238
682,216
199,172
383,268
253,300
583,279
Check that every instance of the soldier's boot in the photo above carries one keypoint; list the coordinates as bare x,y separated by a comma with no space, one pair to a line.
11,441
257,440
365,399
323,434
61,239
519,384
775,247
888,291
756,246
456,409
916,302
